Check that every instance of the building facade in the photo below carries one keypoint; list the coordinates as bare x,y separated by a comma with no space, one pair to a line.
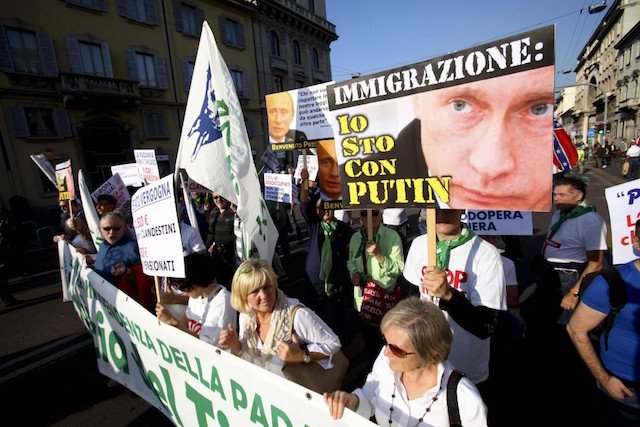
103,78
606,91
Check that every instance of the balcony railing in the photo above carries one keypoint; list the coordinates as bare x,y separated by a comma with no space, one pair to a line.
99,85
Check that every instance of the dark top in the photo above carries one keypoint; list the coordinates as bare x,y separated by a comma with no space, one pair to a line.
221,232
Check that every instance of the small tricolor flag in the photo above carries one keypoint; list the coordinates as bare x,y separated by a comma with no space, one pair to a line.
565,155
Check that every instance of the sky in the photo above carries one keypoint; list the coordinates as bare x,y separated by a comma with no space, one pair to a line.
376,35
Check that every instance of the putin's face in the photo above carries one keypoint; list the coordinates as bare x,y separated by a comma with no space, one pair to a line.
279,114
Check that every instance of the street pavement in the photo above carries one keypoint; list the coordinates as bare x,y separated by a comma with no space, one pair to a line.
48,372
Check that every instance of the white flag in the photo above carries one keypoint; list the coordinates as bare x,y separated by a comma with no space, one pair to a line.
214,146
89,209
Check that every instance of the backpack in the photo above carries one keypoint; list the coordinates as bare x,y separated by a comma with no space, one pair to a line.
617,300
452,398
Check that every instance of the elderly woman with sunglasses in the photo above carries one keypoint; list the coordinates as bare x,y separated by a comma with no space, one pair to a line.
408,383
265,316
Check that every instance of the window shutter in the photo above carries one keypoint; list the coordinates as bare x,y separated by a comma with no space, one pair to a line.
186,74
240,35
123,8
48,54
222,21
162,72
62,123
147,118
75,59
5,57
19,122
199,21
246,86
101,5
251,132
106,59
152,12
177,15
132,66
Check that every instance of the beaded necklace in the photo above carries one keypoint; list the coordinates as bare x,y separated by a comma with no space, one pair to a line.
427,409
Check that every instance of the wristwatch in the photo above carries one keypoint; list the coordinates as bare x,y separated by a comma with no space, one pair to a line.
307,358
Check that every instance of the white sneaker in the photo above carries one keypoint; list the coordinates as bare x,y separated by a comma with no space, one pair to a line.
604,166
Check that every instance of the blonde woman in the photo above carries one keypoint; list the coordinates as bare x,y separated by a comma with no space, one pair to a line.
264,335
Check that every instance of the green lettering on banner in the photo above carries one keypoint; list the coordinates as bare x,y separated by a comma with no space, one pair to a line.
276,415
257,411
177,357
102,342
164,351
204,407
191,372
216,383
119,360
149,343
239,399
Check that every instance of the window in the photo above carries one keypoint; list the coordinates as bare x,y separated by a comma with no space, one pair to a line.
100,5
154,124
187,66
241,82
275,43
278,84
232,32
637,48
139,10
188,18
27,51
147,68
299,83
89,58
312,5
40,122
297,58
315,59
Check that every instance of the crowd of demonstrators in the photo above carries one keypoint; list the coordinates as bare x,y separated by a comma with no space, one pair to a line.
268,336
467,283
633,157
615,364
326,269
208,310
375,263
397,220
409,382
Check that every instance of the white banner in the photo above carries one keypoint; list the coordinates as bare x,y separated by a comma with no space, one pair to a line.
277,187
155,219
45,166
64,178
115,187
312,167
147,165
129,174
624,211
191,382
506,223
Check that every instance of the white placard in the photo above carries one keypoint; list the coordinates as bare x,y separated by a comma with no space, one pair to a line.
624,211
312,167
128,173
116,188
277,187
147,165
505,223
155,219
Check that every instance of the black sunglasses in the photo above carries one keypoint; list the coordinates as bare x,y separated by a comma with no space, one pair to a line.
107,229
397,351
373,213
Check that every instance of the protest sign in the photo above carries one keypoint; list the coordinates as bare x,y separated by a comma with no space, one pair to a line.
190,381
297,118
155,219
312,167
64,179
194,187
624,210
481,137
128,173
147,165
45,166
115,187
505,223
277,187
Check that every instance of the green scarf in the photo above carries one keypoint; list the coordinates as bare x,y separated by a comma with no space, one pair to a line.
362,250
326,255
444,246
577,211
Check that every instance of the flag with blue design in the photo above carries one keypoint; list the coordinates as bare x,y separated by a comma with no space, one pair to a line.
565,155
214,147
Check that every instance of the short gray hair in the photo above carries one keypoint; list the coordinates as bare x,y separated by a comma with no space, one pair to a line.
113,215
428,331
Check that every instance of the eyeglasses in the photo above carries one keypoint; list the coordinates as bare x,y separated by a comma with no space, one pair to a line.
397,351
255,266
373,213
65,206
107,229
